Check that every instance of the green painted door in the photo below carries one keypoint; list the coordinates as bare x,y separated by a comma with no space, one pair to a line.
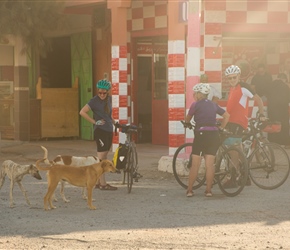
81,57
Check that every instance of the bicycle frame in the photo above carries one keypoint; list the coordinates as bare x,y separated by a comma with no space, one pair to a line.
132,157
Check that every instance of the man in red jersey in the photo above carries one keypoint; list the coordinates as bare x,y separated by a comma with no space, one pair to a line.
238,108
238,101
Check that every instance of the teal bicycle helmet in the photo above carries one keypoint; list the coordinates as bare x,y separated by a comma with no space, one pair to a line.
103,84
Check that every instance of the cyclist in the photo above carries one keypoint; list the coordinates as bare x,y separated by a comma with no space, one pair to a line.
206,135
237,106
101,106
238,101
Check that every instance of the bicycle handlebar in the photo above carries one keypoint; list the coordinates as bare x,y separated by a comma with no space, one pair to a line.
126,128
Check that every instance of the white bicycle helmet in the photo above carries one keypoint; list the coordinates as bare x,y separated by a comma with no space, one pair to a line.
203,88
233,69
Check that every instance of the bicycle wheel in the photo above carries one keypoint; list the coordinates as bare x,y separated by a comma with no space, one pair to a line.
129,169
136,175
271,169
181,165
231,171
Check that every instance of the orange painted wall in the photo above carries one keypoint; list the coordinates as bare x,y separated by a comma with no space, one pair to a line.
176,29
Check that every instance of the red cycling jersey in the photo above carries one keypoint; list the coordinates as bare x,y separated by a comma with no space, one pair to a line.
238,102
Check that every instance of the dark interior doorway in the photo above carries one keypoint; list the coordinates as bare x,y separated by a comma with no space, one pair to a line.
55,68
144,97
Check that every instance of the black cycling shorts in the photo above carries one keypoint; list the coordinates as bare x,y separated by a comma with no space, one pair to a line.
205,142
103,139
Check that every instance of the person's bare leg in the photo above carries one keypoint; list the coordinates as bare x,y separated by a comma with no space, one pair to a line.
196,159
102,156
209,164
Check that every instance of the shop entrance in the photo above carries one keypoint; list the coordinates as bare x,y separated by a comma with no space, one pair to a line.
152,94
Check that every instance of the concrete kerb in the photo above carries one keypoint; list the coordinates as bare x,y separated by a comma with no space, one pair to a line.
165,165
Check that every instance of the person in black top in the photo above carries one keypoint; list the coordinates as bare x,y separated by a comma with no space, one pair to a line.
278,109
261,81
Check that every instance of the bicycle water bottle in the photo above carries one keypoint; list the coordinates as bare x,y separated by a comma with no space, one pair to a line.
247,147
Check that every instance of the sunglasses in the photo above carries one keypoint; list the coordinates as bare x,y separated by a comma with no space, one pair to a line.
102,93
232,78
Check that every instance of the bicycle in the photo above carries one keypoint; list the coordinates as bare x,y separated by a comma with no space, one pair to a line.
130,171
230,164
269,163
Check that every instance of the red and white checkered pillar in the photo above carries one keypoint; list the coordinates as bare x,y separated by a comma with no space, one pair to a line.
119,89
193,54
176,89
176,77
119,65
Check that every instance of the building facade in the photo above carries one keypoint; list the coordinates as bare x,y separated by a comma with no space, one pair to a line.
156,51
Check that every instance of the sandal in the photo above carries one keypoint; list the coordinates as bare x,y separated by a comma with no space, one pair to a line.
108,187
189,194
208,194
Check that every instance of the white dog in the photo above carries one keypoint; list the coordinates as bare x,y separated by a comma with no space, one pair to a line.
15,173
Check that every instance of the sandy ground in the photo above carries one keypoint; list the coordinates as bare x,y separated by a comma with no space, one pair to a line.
156,215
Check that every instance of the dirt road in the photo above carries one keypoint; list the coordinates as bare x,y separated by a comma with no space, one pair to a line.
156,215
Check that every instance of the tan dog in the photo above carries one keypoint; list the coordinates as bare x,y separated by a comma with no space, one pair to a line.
76,161
15,173
85,176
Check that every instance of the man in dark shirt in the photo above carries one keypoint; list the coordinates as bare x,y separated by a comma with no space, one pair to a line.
261,81
278,109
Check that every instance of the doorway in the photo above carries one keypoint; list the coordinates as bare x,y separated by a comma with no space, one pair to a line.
152,93
144,97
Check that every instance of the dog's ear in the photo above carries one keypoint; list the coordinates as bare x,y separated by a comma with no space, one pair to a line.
103,163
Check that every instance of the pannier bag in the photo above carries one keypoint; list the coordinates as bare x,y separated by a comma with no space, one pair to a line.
272,127
120,156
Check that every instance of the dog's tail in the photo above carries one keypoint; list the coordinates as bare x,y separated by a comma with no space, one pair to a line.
37,164
45,155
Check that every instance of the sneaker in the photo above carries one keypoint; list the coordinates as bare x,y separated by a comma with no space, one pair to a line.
137,175
230,184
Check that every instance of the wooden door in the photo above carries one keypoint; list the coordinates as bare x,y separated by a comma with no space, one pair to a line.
81,55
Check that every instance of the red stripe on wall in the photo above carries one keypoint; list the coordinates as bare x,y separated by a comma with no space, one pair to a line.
161,10
236,16
149,23
278,17
257,5
123,101
176,140
213,52
123,51
214,76
115,113
176,60
137,13
115,88
215,5
123,76
176,87
213,29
